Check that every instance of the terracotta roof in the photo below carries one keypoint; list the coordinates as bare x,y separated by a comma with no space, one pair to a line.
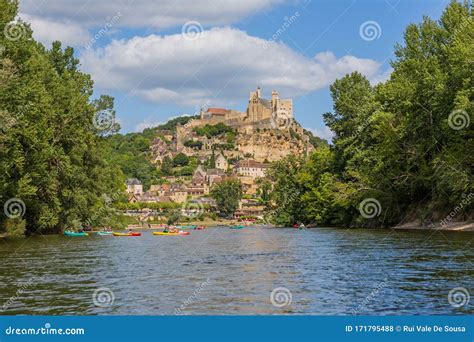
217,111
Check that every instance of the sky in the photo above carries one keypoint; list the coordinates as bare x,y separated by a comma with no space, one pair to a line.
165,58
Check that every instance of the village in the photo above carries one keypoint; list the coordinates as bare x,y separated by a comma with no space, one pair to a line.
219,145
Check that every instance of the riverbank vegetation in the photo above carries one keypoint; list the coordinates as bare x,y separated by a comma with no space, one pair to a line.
402,150
52,171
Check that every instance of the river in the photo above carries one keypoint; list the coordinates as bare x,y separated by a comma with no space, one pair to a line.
324,271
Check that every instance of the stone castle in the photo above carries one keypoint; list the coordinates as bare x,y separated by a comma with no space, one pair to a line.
261,113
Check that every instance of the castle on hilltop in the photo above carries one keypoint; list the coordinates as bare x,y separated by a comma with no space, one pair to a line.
261,113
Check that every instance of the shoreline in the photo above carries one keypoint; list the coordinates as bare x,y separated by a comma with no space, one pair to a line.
464,226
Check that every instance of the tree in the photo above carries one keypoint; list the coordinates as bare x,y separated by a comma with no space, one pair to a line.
404,144
227,195
284,207
167,166
51,154
212,160
180,160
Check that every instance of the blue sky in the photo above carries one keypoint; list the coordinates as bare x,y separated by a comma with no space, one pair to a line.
166,58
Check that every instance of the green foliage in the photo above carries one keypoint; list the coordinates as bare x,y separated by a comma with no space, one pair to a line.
315,141
212,160
131,153
51,153
181,120
227,195
213,130
395,142
180,160
167,166
193,144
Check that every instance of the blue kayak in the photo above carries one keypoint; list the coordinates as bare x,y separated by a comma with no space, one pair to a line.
69,233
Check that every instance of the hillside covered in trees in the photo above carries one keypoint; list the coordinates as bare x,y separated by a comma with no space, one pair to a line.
402,150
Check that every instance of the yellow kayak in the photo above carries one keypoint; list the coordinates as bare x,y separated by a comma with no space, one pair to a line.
170,234
127,234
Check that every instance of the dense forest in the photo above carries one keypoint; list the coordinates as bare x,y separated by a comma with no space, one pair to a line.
52,171
402,150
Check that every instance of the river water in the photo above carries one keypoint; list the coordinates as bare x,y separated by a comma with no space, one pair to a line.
324,271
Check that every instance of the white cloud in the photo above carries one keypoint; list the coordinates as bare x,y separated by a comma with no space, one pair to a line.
221,66
147,123
323,133
157,14
47,31
380,78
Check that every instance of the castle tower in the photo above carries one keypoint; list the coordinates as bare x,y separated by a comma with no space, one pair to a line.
275,98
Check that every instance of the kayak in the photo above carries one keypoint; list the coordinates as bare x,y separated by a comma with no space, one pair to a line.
127,234
186,227
170,234
237,227
104,233
69,233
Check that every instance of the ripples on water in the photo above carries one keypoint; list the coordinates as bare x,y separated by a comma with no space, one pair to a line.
223,271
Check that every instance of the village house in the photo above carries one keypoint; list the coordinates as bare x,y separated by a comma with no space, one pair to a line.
134,187
251,168
221,162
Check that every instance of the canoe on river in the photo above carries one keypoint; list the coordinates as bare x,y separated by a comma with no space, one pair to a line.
127,234
69,233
